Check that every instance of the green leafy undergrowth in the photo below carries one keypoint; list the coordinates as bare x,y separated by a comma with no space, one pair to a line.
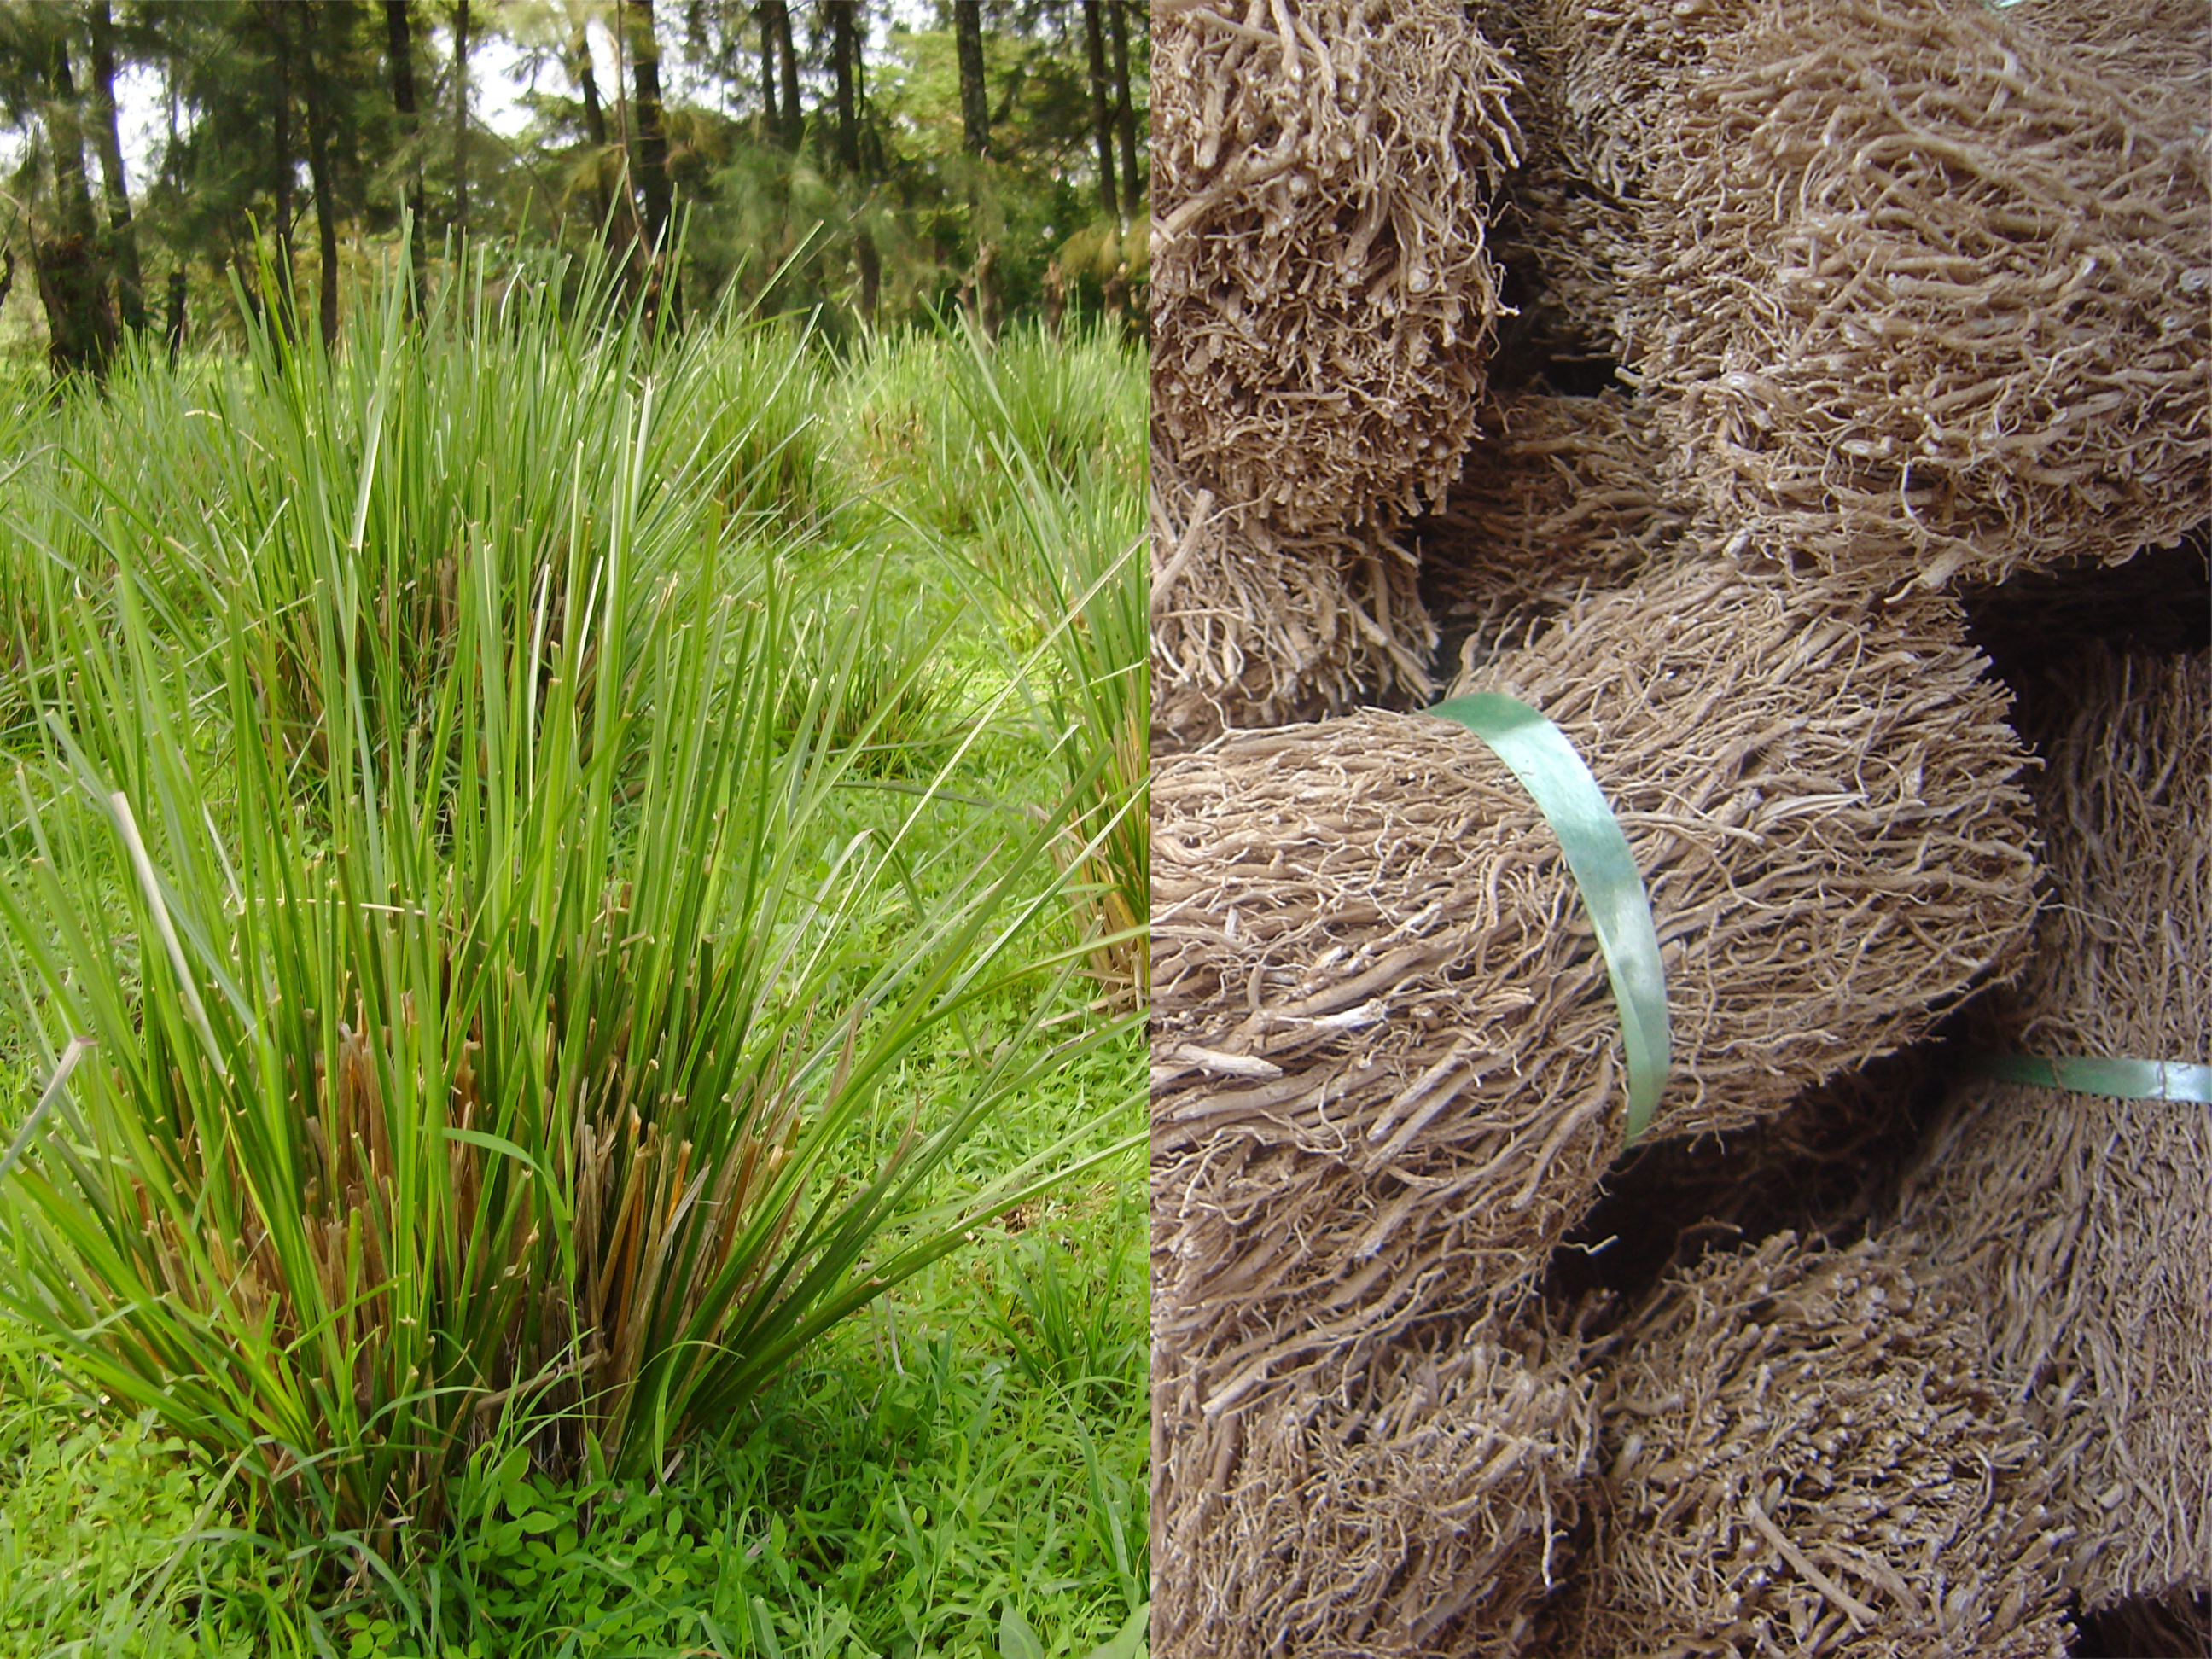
112,1536
963,1472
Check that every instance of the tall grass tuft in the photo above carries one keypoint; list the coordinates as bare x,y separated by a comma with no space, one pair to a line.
506,1085
1066,552
923,409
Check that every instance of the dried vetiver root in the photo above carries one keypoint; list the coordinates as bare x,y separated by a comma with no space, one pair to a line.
1321,297
2081,1224
1564,241
2157,53
1804,1456
1421,1505
1611,69
1568,497
1252,627
1387,1067
1927,297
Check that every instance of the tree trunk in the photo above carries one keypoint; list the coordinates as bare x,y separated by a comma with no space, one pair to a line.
794,114
987,290
318,172
176,313
771,121
123,236
280,46
1125,112
80,323
652,137
461,116
844,55
65,130
595,126
845,61
400,46
974,103
1102,124
976,138
870,267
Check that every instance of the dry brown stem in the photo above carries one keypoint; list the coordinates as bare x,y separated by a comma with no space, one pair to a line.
1386,1061
1806,1459
1322,298
2082,1225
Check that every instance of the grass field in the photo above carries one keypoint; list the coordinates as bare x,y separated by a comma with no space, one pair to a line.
569,977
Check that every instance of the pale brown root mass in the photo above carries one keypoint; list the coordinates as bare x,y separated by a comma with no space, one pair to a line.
1422,1506
1926,296
2082,1225
1253,626
1803,1457
1563,497
1322,299
1386,1068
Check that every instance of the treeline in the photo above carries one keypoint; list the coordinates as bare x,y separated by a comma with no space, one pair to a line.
821,155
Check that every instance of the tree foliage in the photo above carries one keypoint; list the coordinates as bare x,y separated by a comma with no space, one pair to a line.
168,162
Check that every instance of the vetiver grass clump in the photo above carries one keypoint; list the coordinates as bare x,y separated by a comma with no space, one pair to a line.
509,1044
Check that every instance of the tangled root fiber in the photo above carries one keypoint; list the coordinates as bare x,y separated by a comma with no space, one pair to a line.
1251,626
1419,1506
1611,72
1566,498
1322,301
1557,234
2157,53
2080,1225
1930,299
1386,1061
1805,1458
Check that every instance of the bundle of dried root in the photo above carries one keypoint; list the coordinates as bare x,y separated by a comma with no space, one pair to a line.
1420,1506
1613,70
1252,627
1931,298
1322,298
1386,1059
1566,498
2082,1225
1806,1458
1564,242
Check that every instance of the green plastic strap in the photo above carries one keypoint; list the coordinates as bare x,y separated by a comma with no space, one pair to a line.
2125,1079
1538,753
